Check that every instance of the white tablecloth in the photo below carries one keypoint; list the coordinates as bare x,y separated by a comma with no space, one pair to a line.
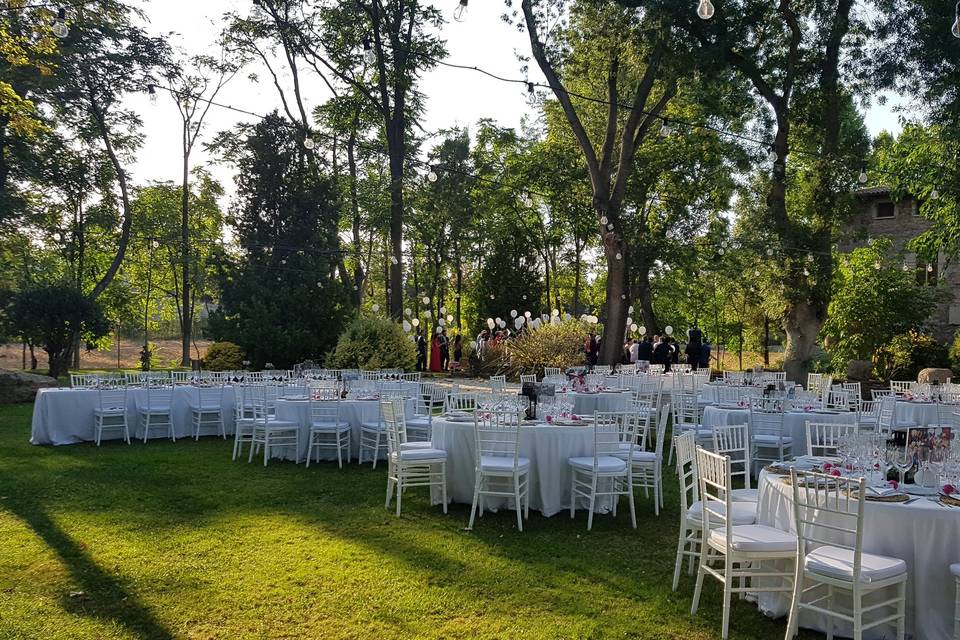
920,413
65,416
589,403
355,412
547,447
922,534
794,422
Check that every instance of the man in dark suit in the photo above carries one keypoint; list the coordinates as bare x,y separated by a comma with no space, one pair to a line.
645,349
421,343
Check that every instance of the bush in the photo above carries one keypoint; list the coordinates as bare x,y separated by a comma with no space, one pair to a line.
906,354
373,343
550,345
223,356
955,353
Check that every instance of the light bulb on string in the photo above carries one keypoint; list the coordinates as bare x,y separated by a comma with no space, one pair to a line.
934,194
705,10
432,175
603,220
619,256
460,13
929,268
309,144
369,56
59,25
665,130
955,29
772,156
152,95
530,87
862,178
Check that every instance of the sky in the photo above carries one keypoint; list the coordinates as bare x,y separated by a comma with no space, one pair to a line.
454,97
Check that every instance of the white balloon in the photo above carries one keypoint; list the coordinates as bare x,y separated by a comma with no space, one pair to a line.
566,316
425,300
555,320
427,314
375,308
440,322
490,322
556,312
629,321
416,322
503,324
630,310
526,314
443,309
407,326
499,319
513,313
518,323
669,330
408,311
449,318
642,330
439,330
633,327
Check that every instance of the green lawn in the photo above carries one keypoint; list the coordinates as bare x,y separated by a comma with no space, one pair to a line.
174,540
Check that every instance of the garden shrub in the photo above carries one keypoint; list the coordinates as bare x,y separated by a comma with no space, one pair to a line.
373,343
223,356
955,353
550,345
906,354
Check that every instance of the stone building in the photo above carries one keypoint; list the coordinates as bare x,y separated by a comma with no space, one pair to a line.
879,215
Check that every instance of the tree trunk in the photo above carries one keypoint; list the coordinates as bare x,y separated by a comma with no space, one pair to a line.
459,290
395,132
766,340
645,299
58,362
802,325
577,268
358,273
186,315
615,319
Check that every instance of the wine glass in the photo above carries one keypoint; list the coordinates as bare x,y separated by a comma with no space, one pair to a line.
903,461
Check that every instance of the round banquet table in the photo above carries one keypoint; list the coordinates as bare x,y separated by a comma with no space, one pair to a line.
919,413
65,416
923,534
794,422
589,403
354,412
548,447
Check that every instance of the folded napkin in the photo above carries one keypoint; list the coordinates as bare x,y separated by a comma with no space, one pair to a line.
885,490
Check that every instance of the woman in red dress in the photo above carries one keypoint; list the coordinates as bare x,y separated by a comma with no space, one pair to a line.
435,353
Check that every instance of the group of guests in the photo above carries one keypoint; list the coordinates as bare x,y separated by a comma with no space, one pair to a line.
440,348
665,350
487,339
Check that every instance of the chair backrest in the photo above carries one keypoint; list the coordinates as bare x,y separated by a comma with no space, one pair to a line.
411,377
113,398
838,400
456,401
686,446
498,384
734,377
828,511
948,410
327,410
877,394
242,402
655,368
733,441
613,381
83,380
628,369
528,377
886,416
610,430
395,425
647,389
158,396
497,434
713,473
900,387
854,389
765,418
686,409
654,427
180,377
823,438
210,396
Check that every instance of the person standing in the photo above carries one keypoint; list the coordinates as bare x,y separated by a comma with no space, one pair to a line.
705,353
457,348
444,351
661,354
693,354
435,353
421,343
645,349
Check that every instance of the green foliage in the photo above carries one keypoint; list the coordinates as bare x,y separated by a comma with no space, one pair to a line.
955,353
280,301
223,356
871,305
51,317
373,343
549,345
906,354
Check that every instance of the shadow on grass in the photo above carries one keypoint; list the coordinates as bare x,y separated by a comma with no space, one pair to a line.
99,594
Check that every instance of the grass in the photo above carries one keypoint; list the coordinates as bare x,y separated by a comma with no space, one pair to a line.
174,540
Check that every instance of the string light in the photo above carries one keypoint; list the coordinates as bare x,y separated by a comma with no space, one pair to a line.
934,194
460,13
862,178
955,29
152,95
705,9
665,130
309,143
773,156
368,54
60,25
530,88
432,175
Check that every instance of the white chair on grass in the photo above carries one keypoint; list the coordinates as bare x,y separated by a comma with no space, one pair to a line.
604,473
180,377
868,415
901,387
552,371
244,418
524,378
499,469
838,400
688,416
84,380
409,466
733,553
156,412
733,441
498,384
111,413
460,401
327,430
828,513
268,431
768,442
647,459
823,438
207,411
420,424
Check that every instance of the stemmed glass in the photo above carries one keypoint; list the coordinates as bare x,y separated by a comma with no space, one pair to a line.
903,461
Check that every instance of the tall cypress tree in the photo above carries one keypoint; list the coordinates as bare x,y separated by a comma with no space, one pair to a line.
280,300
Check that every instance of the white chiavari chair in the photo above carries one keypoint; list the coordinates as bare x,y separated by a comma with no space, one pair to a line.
823,438
156,411
206,412
84,380
768,442
838,400
459,401
901,387
688,416
499,469
887,419
647,457
868,413
180,377
656,369
420,423
735,554
409,466
818,383
828,512
244,418
603,473
528,377
856,393
879,394
613,381
738,378
327,429
552,371
268,431
628,369
498,384
111,413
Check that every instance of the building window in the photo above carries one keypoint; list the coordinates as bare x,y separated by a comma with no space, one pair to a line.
884,210
926,274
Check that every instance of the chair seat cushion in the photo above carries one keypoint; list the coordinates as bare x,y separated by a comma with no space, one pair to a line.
329,426
639,455
282,424
744,495
372,426
496,464
413,455
767,439
605,464
743,512
419,421
955,569
206,408
756,538
109,411
157,408
426,444
701,431
837,562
